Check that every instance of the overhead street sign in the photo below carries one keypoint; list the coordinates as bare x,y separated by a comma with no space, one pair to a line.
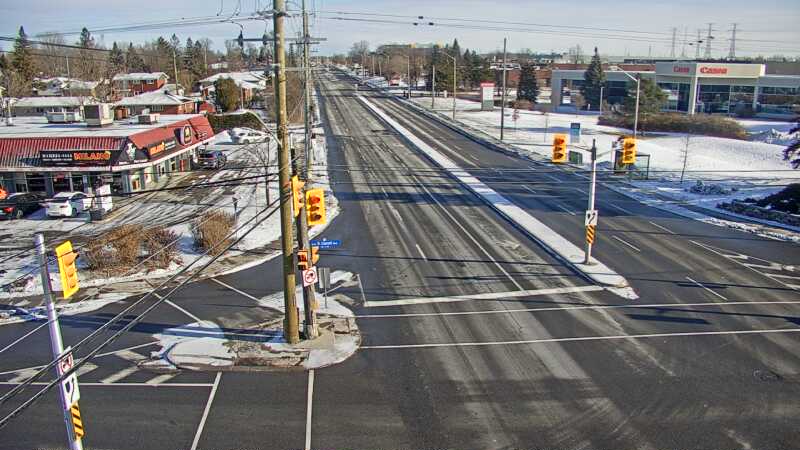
326,244
309,277
591,217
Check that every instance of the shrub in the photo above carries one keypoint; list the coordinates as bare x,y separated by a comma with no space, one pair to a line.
787,200
160,245
680,123
210,231
220,122
118,250
525,105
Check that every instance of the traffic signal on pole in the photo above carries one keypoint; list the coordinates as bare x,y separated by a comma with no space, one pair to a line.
297,195
629,151
559,148
67,268
314,255
302,259
315,206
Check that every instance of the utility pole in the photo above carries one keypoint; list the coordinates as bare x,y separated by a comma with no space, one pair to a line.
56,343
309,302
601,99
433,87
175,69
290,327
685,157
591,214
503,101
732,52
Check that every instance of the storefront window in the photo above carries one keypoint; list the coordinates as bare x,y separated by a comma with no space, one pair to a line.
615,92
35,182
714,98
77,183
677,96
778,100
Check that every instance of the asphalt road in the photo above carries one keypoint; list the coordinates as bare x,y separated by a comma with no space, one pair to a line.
583,368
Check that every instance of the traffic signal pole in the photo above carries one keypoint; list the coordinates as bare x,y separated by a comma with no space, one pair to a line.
56,343
291,322
591,227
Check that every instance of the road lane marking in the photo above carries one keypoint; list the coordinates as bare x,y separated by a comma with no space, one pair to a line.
581,339
672,306
174,305
205,411
126,349
706,288
626,243
659,226
234,289
487,296
161,378
751,266
120,375
529,189
619,208
563,208
95,384
419,249
309,405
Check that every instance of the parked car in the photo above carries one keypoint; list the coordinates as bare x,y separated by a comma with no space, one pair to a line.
15,206
212,159
67,204
249,137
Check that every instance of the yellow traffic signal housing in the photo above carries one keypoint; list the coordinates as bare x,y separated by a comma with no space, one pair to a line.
315,206
302,259
629,151
297,195
559,148
314,255
67,268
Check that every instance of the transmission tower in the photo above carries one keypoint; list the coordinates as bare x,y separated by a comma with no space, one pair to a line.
709,37
674,34
732,52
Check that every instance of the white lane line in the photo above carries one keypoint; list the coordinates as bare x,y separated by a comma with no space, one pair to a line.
161,378
619,208
171,303
748,265
234,289
791,277
419,249
205,411
581,339
676,306
384,192
564,208
396,214
309,404
120,375
626,243
706,288
529,189
662,228
487,296
134,347
94,384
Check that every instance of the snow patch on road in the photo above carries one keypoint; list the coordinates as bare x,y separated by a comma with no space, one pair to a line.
198,343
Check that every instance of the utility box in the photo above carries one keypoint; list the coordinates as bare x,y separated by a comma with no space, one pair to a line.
98,115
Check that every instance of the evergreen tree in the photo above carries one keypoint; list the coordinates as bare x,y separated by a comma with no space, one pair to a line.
87,69
594,79
198,55
456,50
651,98
86,40
21,57
226,94
481,69
792,152
3,63
527,89
116,60
134,62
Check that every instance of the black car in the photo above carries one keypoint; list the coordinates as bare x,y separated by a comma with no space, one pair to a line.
212,159
17,205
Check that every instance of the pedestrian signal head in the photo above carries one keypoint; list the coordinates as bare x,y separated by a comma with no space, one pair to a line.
302,259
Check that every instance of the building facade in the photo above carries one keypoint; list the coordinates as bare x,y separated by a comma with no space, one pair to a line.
129,84
699,87
37,156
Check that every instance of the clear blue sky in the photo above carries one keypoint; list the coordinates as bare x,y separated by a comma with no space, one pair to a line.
776,22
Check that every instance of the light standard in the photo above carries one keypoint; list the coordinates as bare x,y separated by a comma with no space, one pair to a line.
408,73
637,79
455,83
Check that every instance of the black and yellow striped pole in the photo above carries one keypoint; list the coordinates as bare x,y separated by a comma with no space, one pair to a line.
77,423
591,213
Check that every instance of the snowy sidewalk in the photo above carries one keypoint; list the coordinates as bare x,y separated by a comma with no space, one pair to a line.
598,272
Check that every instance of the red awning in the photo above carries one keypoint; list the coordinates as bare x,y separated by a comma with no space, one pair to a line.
24,152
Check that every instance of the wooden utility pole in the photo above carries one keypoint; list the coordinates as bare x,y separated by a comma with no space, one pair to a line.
309,302
503,101
291,322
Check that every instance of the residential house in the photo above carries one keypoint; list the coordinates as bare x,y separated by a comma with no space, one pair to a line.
40,106
249,82
62,86
161,102
130,84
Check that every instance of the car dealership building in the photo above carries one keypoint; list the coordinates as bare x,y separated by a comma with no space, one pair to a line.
694,87
41,156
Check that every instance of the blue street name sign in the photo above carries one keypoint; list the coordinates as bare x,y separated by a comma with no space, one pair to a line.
326,243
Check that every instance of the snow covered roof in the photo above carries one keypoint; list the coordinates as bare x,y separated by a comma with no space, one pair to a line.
139,76
38,127
255,80
159,97
47,102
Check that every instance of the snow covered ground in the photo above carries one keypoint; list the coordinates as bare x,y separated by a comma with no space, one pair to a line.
175,209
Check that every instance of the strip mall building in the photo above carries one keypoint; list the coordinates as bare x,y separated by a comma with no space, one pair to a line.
37,156
694,87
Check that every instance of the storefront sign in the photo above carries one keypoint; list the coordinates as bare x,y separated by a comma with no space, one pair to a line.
184,135
711,70
487,96
76,158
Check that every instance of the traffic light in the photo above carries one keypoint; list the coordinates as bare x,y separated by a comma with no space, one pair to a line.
297,195
302,259
559,148
315,206
629,151
314,255
67,269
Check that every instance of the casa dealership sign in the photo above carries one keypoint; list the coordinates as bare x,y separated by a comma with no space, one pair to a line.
711,70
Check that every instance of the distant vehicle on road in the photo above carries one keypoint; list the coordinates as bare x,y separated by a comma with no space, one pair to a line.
67,204
15,206
212,159
248,136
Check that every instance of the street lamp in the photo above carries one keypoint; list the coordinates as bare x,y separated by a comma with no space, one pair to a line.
637,79
455,84
408,74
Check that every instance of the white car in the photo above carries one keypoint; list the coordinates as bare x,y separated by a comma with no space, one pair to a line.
249,137
67,204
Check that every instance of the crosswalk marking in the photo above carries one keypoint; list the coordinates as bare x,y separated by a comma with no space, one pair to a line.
161,379
119,375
